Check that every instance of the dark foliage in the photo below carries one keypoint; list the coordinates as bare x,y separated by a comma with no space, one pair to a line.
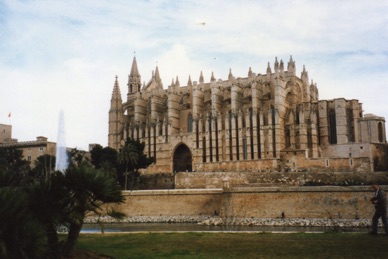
100,156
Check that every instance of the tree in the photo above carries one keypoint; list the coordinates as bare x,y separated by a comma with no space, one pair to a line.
11,159
100,156
44,165
32,210
88,189
48,204
128,156
127,166
21,235
77,157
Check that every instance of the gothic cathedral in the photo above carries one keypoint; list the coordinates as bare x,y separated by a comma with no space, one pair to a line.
272,122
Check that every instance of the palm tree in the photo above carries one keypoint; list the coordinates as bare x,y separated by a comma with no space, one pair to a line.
44,165
129,157
88,189
21,235
48,204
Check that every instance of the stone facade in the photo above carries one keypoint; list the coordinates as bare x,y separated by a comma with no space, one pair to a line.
31,149
255,202
271,122
5,133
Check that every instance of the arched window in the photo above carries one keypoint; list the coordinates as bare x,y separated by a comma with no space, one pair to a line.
245,148
258,135
204,149
332,127
297,140
273,131
210,139
350,125
288,137
380,132
197,134
251,133
190,123
230,136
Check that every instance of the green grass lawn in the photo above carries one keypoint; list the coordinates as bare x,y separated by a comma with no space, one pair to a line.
236,245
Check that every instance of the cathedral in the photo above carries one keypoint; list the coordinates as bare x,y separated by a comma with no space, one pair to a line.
270,122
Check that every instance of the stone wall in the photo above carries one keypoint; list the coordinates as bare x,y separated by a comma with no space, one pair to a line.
268,178
171,202
299,202
258,202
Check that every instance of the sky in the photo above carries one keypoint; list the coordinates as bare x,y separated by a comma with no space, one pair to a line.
65,55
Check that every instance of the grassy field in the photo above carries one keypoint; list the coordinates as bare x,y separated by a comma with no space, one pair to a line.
236,245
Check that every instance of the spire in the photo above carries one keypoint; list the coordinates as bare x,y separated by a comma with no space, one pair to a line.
269,72
269,69
157,76
115,115
291,66
177,84
116,94
212,78
189,83
305,76
281,68
134,78
250,72
201,80
134,69
276,66
171,87
230,76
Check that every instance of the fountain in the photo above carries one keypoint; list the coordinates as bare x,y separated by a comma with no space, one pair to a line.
61,162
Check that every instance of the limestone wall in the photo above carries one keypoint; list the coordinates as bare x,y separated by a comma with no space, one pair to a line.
259,202
171,202
300,202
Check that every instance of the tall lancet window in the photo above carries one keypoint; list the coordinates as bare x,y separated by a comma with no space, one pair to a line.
380,132
258,135
210,138
204,149
190,123
273,132
332,127
288,137
230,136
350,125
251,133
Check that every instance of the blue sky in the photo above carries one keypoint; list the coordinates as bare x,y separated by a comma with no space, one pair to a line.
65,54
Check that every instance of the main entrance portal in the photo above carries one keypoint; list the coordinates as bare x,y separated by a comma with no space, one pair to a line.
182,159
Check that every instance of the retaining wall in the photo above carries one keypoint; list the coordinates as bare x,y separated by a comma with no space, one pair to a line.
259,202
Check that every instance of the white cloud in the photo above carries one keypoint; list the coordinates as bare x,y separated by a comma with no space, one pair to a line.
65,55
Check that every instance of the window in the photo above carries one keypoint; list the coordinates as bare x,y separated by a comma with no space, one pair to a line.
230,136
332,127
204,149
245,151
380,132
288,137
251,132
350,125
190,123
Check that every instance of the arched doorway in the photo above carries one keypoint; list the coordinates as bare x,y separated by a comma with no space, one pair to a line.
182,159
